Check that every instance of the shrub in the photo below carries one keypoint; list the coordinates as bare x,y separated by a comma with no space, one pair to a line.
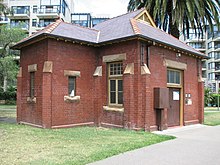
214,101
2,94
9,94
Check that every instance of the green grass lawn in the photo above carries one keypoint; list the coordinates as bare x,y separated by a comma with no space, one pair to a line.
212,118
8,107
20,144
211,108
8,111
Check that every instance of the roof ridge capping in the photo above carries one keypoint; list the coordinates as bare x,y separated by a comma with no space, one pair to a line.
140,11
53,26
135,27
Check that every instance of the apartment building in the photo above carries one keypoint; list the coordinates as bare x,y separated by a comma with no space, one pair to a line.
34,15
209,43
86,19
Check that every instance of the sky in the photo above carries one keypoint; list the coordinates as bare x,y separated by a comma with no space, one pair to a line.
101,8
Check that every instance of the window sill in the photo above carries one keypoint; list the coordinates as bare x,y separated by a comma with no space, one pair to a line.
31,99
71,99
117,109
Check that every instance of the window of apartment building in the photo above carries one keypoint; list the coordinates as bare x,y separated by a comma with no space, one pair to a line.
196,45
173,77
211,65
217,45
45,22
72,86
115,81
217,55
211,76
34,22
19,23
211,55
81,19
64,6
209,45
32,87
34,9
21,9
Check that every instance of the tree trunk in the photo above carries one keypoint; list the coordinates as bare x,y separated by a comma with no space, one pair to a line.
173,27
174,31
5,83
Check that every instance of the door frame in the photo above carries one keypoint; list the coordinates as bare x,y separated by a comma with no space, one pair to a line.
180,86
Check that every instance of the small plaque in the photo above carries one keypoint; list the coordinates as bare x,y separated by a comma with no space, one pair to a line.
176,95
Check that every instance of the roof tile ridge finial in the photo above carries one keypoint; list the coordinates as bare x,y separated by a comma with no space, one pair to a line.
52,26
135,26
98,36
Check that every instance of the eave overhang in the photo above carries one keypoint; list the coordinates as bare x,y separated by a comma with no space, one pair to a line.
109,42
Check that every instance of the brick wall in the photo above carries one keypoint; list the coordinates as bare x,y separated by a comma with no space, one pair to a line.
138,89
75,57
33,54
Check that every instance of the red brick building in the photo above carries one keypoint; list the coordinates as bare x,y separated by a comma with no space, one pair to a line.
124,73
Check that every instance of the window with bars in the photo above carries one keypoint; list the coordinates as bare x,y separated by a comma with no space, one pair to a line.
32,86
72,85
115,81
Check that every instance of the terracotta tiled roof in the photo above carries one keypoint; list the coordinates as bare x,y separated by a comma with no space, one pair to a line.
117,28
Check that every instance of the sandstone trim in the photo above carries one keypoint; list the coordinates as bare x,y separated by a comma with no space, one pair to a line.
115,57
98,71
175,64
19,72
107,108
71,73
48,67
129,69
32,68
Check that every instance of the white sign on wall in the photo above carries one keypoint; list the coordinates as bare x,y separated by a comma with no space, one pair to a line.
176,95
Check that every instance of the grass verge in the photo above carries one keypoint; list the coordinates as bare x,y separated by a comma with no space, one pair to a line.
20,144
212,118
211,109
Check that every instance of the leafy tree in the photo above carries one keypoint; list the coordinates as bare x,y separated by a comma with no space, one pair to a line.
208,96
175,15
4,10
8,66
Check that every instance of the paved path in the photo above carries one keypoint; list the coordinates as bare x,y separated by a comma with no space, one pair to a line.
194,145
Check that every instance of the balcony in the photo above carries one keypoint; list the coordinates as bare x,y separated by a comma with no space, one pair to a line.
217,57
217,69
51,12
216,36
217,46
3,20
20,13
23,25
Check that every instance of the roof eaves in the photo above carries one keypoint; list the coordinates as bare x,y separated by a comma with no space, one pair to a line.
49,35
184,50
29,41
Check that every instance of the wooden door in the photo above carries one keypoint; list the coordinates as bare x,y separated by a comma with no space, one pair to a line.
173,113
